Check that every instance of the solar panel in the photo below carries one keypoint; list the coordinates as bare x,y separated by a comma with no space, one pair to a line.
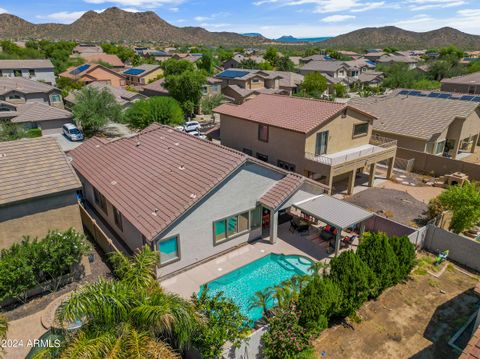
79,69
404,92
467,98
434,94
231,74
476,99
445,95
415,93
134,72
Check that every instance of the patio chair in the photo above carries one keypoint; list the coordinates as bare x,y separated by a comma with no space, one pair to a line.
348,241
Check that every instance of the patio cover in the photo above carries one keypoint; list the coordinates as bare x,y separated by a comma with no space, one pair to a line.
333,211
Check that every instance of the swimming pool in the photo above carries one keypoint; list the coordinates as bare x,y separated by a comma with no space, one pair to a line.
241,284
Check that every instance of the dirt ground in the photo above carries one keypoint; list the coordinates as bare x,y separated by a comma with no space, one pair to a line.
421,193
474,157
411,320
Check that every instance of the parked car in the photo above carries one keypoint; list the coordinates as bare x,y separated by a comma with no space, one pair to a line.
72,132
191,126
197,134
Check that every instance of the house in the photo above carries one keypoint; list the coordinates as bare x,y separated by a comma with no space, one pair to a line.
187,57
351,54
430,122
371,78
213,87
143,74
374,55
37,190
187,198
88,73
322,140
468,84
112,60
391,58
295,60
35,115
123,97
18,90
87,49
317,57
155,88
332,69
472,54
234,62
37,70
243,84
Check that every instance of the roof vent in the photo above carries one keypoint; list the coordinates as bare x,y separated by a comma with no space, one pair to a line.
170,130
3,155
155,211
176,144
193,196
113,183
181,167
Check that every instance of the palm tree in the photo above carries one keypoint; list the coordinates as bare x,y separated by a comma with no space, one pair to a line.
318,267
131,317
261,299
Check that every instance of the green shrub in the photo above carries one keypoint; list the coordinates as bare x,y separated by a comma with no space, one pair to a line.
164,110
375,250
405,252
319,301
285,338
30,263
34,132
356,281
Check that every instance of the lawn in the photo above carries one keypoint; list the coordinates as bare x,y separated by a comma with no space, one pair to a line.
411,320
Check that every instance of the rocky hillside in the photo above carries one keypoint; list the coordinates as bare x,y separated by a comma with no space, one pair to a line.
117,25
391,36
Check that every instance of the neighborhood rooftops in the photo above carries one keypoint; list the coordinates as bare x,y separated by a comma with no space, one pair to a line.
122,96
407,114
34,112
23,85
154,177
33,168
112,60
25,64
291,113
141,70
471,79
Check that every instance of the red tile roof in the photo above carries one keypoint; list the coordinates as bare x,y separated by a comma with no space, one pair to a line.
291,113
472,350
283,189
110,59
154,177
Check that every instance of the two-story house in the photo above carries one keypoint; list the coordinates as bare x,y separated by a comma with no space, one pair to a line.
88,73
438,123
18,90
322,140
37,70
187,198
143,74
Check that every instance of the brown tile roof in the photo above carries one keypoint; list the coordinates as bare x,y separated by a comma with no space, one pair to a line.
282,190
33,168
86,72
154,177
23,85
25,64
471,79
122,96
292,113
324,66
472,350
110,59
37,112
156,86
413,116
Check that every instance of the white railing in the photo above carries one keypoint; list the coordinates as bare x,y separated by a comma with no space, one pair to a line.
379,144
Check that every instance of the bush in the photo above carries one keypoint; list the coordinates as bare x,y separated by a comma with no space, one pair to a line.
285,338
375,250
34,132
30,263
208,103
318,301
356,281
164,110
405,252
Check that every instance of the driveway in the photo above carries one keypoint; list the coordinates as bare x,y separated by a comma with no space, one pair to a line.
64,142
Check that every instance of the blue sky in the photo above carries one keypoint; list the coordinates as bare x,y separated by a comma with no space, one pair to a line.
272,18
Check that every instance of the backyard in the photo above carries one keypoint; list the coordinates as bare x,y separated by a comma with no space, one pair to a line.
411,320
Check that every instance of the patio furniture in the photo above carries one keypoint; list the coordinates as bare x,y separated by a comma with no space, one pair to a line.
298,225
348,241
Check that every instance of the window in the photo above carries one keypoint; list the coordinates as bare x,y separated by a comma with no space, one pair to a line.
248,151
31,72
230,227
17,73
118,218
255,81
321,143
256,218
440,147
262,157
1,73
100,200
169,250
14,97
360,130
263,133
56,98
286,166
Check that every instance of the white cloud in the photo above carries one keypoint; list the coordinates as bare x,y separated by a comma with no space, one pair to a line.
469,13
210,26
3,11
211,17
326,6
338,18
138,3
420,5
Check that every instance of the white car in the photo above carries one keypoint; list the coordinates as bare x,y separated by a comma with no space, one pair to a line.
72,132
197,134
191,126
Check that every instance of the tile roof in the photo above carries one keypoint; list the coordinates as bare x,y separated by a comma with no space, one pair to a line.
154,177
472,350
281,191
110,59
397,58
413,116
23,85
157,86
291,113
33,168
147,68
25,64
122,96
471,79
324,66
38,112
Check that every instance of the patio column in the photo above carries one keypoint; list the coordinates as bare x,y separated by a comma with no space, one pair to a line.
391,163
456,148
337,241
371,177
351,182
273,226
330,183
474,144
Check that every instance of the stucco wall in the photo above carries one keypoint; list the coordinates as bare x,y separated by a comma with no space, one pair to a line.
45,75
195,229
403,141
106,76
461,129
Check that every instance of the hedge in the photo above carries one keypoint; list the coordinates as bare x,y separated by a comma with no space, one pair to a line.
32,262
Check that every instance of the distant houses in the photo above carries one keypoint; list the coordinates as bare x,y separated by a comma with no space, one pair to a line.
88,73
113,61
38,70
142,75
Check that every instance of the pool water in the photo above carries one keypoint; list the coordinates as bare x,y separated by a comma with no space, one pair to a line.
241,284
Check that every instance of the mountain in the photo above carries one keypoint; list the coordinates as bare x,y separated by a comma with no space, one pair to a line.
292,39
252,34
391,36
117,25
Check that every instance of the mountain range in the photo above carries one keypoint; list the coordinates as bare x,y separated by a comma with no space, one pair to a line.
117,25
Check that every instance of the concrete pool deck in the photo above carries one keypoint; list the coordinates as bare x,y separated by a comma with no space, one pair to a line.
287,243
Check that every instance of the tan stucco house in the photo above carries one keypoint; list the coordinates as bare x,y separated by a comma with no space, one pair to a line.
38,190
143,74
88,73
322,140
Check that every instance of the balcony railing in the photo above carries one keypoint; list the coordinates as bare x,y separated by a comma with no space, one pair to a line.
379,144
